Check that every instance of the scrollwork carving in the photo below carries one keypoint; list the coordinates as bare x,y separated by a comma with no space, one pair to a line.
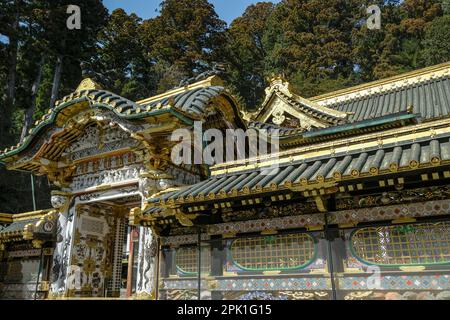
106,177
278,117
394,197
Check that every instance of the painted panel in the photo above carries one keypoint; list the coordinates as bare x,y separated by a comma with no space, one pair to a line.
420,244
285,252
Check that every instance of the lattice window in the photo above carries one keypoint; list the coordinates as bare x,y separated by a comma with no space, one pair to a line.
120,234
186,260
285,252
419,244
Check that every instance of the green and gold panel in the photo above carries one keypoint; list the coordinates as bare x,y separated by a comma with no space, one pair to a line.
280,253
186,260
285,253
273,267
402,261
422,244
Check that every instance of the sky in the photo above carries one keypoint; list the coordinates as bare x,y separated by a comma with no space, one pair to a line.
227,10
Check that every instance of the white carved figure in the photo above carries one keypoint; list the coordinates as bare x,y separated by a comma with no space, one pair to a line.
106,177
101,164
164,183
58,201
89,139
93,142
146,262
278,117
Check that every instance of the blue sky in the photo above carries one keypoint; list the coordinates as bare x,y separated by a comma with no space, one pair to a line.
226,9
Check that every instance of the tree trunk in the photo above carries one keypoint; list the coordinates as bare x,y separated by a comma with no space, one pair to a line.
28,119
56,80
12,75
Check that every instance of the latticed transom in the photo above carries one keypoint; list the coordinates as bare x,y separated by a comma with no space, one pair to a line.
186,260
273,252
414,244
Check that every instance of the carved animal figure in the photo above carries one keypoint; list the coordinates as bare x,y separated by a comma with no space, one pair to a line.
217,69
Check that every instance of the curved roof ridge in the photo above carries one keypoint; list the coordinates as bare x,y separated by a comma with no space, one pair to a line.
187,105
208,82
314,109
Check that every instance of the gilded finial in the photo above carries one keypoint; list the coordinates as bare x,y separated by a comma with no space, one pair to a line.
410,109
88,84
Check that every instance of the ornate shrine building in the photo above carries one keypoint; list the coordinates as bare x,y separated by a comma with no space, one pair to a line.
358,207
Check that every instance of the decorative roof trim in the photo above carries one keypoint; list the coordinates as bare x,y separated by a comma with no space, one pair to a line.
6,217
123,108
397,135
326,133
208,82
401,116
26,232
88,92
30,215
323,175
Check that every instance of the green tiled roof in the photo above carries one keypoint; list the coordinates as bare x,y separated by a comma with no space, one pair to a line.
431,99
192,101
389,158
18,226
344,127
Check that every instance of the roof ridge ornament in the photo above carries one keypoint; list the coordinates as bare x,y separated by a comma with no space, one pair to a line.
281,100
216,70
204,79
279,79
213,80
88,84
